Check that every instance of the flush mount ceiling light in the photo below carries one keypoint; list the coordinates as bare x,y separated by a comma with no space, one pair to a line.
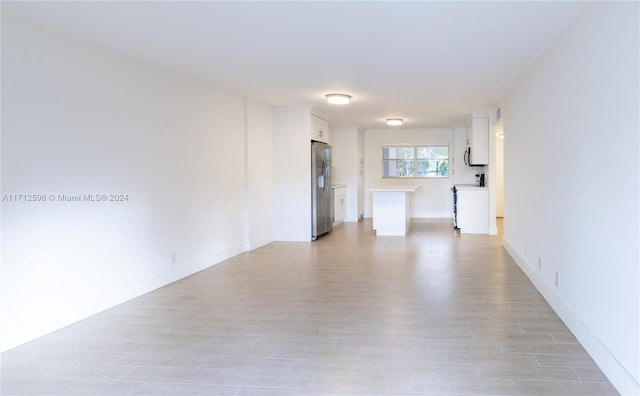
394,121
338,98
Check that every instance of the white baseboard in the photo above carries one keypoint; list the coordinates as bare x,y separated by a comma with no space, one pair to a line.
19,333
260,241
617,374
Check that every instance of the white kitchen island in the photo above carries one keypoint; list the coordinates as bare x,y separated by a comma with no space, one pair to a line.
391,210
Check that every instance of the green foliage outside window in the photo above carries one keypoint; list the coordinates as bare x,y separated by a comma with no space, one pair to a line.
415,161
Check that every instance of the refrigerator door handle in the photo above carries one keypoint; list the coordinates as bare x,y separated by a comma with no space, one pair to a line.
324,174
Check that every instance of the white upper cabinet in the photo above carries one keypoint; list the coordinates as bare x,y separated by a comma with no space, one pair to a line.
319,129
478,138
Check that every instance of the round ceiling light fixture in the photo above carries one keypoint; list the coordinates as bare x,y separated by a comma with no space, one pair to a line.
338,98
394,121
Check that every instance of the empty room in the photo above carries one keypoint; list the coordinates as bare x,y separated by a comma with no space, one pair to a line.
320,198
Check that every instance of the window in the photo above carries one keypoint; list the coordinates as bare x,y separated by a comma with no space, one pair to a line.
415,161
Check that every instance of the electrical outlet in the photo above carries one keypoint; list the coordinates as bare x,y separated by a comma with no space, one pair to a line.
525,247
556,279
174,257
539,263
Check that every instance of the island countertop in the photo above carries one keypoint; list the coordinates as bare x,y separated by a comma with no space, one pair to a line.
396,189
469,187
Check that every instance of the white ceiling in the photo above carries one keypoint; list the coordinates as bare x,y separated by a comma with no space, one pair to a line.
430,63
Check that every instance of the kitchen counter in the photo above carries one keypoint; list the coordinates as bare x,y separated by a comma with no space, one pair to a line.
472,209
469,187
396,189
391,210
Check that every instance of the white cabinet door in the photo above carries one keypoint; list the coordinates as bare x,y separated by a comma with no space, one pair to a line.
339,205
319,129
473,210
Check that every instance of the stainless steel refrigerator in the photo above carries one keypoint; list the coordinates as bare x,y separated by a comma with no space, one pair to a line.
321,199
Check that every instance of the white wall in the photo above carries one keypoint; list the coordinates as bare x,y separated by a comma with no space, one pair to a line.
259,180
344,153
572,184
434,198
346,164
82,120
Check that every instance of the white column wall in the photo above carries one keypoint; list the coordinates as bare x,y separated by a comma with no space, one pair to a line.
345,163
259,157
292,174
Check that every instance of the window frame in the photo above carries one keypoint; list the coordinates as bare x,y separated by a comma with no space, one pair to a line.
415,160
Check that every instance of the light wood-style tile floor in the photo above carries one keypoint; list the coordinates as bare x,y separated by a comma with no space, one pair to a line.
435,313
